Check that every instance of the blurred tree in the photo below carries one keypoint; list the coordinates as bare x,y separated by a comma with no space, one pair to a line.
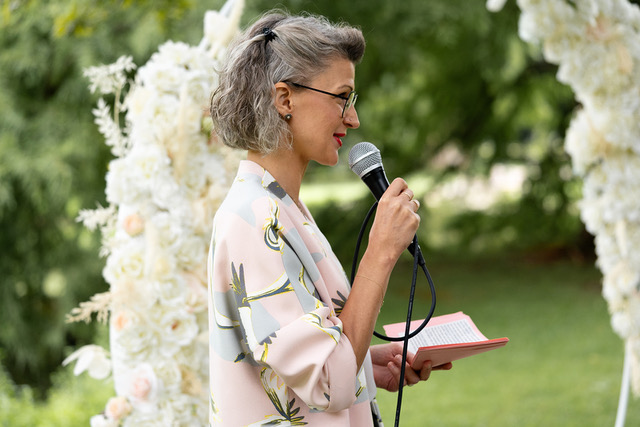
53,161
442,75
438,74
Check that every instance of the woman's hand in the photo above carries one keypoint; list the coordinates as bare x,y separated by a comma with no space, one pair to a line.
396,221
387,360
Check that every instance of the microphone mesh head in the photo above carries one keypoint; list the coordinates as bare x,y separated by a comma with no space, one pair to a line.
363,158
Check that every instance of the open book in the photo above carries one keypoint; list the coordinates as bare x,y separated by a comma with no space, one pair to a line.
445,339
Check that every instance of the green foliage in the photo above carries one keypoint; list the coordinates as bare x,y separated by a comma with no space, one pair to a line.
53,161
72,401
441,74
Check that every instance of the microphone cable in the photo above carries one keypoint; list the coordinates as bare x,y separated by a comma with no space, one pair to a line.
418,261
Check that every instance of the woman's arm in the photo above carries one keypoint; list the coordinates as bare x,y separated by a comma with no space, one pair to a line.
393,228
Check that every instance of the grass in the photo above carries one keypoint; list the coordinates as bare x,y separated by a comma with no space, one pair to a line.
562,366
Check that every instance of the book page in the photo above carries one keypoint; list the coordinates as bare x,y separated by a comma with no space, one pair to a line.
445,339
455,332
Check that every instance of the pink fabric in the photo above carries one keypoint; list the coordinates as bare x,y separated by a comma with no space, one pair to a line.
277,351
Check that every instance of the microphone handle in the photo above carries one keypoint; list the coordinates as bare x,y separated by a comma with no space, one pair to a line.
377,182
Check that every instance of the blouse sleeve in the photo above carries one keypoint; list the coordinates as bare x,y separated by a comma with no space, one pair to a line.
272,282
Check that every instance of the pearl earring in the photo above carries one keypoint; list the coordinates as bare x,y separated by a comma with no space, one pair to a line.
287,117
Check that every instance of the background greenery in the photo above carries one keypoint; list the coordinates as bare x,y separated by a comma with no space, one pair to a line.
438,75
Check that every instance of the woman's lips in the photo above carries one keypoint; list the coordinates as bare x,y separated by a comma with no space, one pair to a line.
337,137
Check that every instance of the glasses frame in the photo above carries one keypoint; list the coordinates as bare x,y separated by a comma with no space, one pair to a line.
349,100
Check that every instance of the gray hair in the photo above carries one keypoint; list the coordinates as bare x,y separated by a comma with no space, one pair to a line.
297,49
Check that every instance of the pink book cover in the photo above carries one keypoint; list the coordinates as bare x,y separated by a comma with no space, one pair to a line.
445,339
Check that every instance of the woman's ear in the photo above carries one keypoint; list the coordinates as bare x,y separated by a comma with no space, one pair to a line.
283,99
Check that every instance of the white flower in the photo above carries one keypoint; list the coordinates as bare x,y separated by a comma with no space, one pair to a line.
177,327
165,192
168,372
135,341
102,421
192,252
133,224
137,103
171,291
165,184
624,278
111,131
117,408
126,262
495,5
91,358
99,217
122,186
110,78
621,323
220,27
142,387
584,143
196,293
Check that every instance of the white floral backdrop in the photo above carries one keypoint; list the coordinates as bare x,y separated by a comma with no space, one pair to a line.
596,44
163,187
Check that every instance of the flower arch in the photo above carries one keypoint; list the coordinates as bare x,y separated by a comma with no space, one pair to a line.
596,44
163,187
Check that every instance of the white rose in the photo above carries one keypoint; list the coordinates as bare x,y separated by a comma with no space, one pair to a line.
137,102
192,252
122,186
196,293
135,341
142,387
117,408
102,421
148,162
125,262
158,75
132,293
165,192
624,278
170,292
133,224
170,231
621,323
177,328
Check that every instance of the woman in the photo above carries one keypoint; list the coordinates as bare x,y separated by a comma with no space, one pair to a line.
289,338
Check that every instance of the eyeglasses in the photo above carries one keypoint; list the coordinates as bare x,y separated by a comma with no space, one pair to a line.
349,99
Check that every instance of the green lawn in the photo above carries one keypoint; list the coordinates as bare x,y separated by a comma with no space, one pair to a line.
562,366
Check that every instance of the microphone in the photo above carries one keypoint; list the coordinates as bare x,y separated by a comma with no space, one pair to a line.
366,162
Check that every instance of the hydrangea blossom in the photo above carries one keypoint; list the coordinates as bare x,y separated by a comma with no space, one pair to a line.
596,45
163,187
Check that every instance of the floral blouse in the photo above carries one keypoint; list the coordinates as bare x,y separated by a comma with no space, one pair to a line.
278,355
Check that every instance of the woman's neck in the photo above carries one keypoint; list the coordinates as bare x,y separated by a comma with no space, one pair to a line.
285,167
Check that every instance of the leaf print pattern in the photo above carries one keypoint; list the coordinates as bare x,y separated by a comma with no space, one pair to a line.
279,396
339,302
273,229
333,331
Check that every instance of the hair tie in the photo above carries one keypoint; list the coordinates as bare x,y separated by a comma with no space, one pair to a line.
268,34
